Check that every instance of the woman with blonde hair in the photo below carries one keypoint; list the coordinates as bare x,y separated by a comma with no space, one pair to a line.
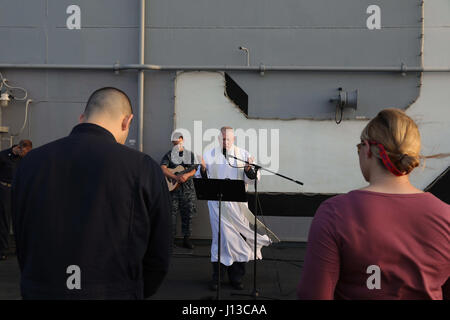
388,240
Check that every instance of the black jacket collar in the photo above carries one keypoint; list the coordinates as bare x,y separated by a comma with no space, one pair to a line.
93,129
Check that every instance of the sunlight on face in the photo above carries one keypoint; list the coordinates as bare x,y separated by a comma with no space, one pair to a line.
227,138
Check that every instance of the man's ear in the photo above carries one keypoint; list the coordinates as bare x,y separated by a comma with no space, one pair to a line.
82,118
126,122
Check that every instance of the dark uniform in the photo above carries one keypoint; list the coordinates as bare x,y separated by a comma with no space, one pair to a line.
8,164
90,202
183,197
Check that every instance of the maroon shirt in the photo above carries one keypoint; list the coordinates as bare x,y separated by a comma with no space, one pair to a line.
405,235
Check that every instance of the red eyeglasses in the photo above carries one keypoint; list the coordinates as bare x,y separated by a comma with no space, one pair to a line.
384,157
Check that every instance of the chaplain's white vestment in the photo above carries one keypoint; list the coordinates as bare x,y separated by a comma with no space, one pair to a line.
237,236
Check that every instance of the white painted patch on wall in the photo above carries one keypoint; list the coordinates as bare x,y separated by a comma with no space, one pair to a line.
320,153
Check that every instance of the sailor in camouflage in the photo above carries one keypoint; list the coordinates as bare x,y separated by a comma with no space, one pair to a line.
183,197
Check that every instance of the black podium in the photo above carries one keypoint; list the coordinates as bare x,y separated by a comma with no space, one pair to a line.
220,190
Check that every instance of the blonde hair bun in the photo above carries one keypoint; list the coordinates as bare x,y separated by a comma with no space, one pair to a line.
399,135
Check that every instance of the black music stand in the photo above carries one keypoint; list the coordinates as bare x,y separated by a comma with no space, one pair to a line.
256,167
220,190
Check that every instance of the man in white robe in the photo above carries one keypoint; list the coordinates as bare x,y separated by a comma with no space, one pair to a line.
237,234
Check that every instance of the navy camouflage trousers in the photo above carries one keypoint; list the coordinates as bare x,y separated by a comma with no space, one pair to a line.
183,203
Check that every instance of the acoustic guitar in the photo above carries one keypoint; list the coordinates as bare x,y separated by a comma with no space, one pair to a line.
173,184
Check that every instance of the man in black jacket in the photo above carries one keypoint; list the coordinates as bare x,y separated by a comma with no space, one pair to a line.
9,159
92,216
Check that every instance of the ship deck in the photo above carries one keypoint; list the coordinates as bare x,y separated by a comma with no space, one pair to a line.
190,272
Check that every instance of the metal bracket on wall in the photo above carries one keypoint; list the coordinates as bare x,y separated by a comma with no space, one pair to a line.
345,100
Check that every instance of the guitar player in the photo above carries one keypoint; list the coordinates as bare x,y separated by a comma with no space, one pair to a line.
183,195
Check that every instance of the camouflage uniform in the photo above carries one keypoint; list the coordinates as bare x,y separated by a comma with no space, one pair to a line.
183,197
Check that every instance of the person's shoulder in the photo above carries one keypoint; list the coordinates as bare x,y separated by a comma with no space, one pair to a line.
190,154
336,205
39,157
44,150
145,160
151,162
167,155
328,213
139,162
437,204
339,199
432,198
130,152
134,154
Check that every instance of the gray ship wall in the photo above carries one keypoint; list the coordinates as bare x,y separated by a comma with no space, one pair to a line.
323,33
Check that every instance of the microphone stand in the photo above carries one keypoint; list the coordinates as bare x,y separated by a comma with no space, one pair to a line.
256,167
218,249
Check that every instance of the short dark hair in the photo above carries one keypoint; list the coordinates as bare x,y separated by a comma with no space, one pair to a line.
25,144
97,100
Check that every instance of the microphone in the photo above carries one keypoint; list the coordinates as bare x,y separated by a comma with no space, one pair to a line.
224,152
